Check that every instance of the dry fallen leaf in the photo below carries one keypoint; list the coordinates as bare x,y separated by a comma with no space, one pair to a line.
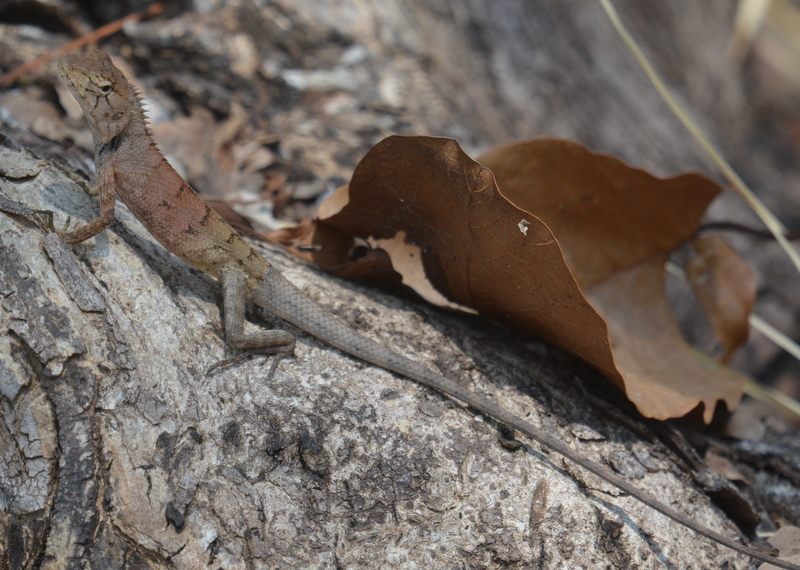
724,467
335,252
474,250
725,285
617,226
787,541
586,272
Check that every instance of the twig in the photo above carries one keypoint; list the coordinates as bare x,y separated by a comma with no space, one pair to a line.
98,34
734,227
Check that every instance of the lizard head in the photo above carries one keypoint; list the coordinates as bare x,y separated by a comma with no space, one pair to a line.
108,101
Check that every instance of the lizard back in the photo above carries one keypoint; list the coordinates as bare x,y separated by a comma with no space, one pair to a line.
175,215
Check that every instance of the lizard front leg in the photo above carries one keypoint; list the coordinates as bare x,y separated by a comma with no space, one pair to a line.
233,299
107,204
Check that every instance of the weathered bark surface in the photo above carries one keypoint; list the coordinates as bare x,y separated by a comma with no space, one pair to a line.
118,448
119,451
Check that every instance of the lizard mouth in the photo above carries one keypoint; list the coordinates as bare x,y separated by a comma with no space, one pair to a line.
76,81
64,66
67,73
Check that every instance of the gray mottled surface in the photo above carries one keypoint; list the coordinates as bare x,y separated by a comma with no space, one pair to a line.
116,450
118,447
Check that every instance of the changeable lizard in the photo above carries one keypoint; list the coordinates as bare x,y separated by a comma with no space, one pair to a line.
130,164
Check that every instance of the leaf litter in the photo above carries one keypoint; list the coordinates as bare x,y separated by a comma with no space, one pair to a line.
548,236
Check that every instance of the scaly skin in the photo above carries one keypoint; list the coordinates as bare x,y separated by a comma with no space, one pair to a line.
130,164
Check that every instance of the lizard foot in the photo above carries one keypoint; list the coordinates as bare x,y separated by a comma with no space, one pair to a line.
233,361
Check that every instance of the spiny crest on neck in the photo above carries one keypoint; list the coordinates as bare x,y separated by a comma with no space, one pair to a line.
143,114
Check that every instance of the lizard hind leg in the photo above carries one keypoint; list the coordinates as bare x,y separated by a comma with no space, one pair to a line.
277,342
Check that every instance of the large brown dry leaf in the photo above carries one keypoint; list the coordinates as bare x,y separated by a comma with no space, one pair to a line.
616,226
597,291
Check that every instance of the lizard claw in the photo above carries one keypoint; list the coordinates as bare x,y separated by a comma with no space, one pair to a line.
228,362
62,233
225,363
44,219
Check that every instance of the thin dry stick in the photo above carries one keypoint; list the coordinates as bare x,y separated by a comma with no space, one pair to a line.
775,336
771,396
735,227
758,207
100,33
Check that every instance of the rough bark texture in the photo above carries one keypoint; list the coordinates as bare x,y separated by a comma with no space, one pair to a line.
119,451
118,447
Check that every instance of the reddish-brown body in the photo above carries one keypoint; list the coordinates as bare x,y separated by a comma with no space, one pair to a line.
175,215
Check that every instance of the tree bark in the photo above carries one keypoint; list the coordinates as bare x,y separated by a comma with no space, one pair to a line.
119,451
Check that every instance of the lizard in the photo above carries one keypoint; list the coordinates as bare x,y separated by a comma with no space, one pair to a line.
130,165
